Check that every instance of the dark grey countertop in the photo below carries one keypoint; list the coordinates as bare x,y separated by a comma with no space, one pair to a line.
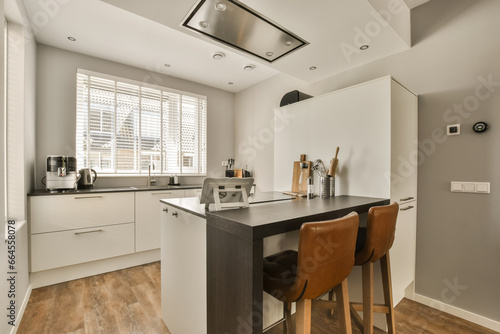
43,192
262,221
193,206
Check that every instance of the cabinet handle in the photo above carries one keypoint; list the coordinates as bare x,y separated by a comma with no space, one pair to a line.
407,208
165,209
169,193
94,231
88,197
174,214
406,199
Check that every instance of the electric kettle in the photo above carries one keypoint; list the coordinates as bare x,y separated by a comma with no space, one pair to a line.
87,178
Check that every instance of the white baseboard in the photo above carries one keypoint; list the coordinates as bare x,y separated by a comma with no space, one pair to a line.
69,273
20,314
458,312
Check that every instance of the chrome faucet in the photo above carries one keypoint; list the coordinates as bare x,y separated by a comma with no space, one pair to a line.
151,181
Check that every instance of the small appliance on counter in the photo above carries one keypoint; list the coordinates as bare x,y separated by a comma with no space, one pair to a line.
61,173
87,178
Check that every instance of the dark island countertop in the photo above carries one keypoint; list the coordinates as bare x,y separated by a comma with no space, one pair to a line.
193,206
43,192
262,221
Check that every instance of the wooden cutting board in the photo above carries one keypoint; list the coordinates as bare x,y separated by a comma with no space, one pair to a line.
296,177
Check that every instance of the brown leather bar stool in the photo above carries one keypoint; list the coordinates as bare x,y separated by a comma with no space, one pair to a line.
323,262
373,244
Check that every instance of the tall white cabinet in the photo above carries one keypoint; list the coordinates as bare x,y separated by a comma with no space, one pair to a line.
375,124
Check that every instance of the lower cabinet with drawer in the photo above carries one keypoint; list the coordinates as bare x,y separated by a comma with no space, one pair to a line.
71,229
59,249
147,217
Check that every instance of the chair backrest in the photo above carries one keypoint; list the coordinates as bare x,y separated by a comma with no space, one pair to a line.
381,228
326,255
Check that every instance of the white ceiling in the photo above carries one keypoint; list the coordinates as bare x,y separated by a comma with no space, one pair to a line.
147,34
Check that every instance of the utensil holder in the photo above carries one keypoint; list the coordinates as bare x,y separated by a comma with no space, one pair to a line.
332,186
324,187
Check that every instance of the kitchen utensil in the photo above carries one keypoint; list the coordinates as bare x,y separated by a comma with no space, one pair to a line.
324,187
87,178
334,163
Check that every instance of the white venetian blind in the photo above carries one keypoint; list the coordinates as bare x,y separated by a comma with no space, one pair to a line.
123,127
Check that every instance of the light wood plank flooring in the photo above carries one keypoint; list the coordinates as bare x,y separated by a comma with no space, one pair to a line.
128,301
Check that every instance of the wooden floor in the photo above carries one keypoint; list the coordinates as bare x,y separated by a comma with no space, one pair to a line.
128,302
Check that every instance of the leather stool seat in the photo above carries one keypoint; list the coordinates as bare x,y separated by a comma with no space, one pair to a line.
323,262
280,270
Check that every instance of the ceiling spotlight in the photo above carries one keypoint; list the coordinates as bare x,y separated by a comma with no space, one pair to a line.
249,67
364,47
220,6
288,42
218,55
72,39
312,68
203,24
229,83
167,65
269,54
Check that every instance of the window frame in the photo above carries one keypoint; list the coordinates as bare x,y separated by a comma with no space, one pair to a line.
201,129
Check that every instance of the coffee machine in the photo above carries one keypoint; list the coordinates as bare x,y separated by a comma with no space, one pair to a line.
61,173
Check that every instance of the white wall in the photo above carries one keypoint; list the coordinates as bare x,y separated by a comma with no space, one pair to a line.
56,111
455,51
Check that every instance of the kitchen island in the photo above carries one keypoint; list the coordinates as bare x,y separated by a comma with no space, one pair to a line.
212,261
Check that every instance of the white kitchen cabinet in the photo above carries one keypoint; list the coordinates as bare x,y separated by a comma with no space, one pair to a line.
192,192
375,124
403,251
74,228
147,217
72,211
183,271
59,249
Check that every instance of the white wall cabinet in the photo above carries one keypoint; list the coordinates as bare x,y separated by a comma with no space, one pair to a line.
147,217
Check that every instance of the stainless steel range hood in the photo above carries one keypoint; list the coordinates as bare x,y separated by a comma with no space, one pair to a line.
234,24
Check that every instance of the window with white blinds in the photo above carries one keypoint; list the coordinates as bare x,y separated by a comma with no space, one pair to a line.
123,127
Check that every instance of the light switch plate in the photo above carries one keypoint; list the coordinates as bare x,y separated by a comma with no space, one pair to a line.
453,130
470,187
457,187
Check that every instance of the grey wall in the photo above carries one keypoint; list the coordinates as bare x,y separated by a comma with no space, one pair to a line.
455,49
56,111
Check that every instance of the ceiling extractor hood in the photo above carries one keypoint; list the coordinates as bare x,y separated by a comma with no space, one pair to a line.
239,26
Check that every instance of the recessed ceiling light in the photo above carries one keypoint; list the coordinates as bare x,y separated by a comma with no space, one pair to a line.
167,65
203,24
364,47
72,39
288,43
312,68
218,55
249,67
229,83
269,54
220,6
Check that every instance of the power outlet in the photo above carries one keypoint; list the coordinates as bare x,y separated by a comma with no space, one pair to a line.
224,163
